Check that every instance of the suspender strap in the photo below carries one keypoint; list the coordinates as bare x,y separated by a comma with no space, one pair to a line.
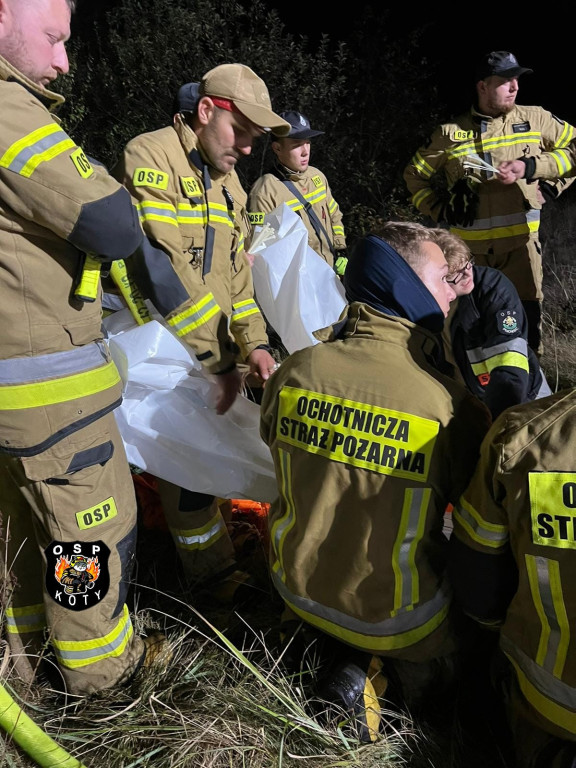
314,220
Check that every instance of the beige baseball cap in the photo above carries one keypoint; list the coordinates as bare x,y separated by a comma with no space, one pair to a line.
248,92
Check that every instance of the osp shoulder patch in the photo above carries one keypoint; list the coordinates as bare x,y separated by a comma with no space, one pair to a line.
81,163
190,186
506,321
77,574
256,218
460,135
317,181
150,177
93,516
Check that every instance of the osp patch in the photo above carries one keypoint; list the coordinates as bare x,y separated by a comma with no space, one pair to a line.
77,574
506,320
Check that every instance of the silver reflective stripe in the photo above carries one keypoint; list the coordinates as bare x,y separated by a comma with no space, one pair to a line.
56,365
419,498
38,148
542,567
197,539
521,217
548,685
100,650
195,317
396,625
499,537
479,354
544,389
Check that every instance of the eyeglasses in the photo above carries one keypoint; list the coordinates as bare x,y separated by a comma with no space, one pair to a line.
461,272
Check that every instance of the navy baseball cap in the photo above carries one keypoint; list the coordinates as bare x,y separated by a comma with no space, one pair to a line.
187,98
501,63
299,126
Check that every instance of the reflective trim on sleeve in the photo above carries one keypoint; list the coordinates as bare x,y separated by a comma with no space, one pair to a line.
243,309
488,534
338,230
73,654
421,166
421,195
29,618
40,146
332,205
195,315
562,161
512,353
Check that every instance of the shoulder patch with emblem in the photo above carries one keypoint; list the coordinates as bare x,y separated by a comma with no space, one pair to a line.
77,574
150,177
506,321
317,181
81,163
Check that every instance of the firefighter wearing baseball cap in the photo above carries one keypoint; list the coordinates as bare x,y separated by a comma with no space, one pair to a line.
194,268
500,223
304,189
65,482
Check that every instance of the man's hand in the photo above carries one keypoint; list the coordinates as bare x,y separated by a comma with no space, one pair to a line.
228,387
250,258
261,363
510,171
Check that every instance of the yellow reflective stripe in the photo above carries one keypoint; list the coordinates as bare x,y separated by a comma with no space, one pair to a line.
510,359
488,534
494,142
295,205
532,572
200,538
151,210
43,144
562,161
338,229
316,196
420,196
551,655
422,166
30,618
406,582
240,246
73,654
566,137
41,393
243,309
379,643
332,205
195,316
283,525
498,232
556,713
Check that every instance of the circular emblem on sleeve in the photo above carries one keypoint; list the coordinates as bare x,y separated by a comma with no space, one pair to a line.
507,322
77,575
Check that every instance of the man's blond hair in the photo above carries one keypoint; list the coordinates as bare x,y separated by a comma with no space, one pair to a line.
405,237
455,250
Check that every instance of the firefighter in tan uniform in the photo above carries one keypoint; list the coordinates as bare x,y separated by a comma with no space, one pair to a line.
370,443
304,189
66,491
195,270
500,223
513,561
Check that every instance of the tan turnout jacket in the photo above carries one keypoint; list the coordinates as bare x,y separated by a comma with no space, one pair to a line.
370,443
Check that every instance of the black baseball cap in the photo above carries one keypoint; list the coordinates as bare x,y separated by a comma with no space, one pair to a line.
299,126
187,98
501,63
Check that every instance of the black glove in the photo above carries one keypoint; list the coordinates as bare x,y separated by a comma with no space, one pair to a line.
549,191
460,210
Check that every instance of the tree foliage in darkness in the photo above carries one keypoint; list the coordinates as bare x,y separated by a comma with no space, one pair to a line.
373,94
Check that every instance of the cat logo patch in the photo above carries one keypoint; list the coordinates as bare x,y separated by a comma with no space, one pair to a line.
77,575
507,322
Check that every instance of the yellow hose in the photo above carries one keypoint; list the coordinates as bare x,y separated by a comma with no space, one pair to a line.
31,738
